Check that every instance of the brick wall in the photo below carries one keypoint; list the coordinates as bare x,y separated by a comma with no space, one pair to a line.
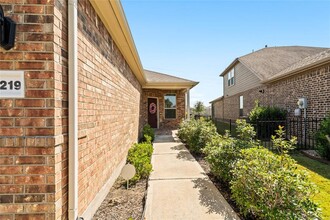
33,132
109,105
217,109
156,93
313,84
29,136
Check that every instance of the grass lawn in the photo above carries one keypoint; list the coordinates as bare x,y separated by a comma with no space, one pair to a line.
320,175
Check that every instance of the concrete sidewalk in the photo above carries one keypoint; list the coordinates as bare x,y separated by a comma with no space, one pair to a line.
178,187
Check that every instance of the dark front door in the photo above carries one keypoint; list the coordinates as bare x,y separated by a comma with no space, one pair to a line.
152,112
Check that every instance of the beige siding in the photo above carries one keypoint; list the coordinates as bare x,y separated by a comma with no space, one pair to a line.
244,80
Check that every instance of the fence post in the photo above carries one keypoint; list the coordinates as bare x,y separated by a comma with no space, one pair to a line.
230,125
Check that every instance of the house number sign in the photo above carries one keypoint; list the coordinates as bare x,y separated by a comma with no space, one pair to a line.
12,84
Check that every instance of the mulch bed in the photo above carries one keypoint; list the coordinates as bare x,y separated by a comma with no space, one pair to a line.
123,204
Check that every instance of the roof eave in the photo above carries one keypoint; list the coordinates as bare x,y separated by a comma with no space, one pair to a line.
298,70
217,99
229,67
188,85
113,17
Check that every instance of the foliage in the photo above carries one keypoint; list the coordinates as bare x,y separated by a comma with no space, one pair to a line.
221,153
199,108
322,143
223,126
282,145
139,155
196,133
320,175
246,136
269,186
147,130
264,113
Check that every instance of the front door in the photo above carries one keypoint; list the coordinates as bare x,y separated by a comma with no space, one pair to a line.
152,112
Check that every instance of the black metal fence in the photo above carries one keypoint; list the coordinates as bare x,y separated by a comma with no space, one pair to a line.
303,129
224,125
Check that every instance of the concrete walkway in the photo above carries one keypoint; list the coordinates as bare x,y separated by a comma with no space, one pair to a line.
178,187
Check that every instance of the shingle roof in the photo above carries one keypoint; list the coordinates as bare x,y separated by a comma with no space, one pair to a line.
155,78
269,61
310,60
152,76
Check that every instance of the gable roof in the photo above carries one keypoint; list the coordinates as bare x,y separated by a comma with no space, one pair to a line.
269,61
158,80
308,62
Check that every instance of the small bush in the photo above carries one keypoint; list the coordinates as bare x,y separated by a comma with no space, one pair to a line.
270,186
246,136
322,143
282,145
147,130
221,153
264,113
196,133
139,155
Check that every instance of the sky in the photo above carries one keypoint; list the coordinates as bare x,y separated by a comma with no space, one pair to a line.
198,39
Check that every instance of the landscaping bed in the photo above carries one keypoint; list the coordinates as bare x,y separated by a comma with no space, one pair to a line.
258,183
123,204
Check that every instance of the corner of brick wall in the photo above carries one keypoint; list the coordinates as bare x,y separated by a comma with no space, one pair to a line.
31,128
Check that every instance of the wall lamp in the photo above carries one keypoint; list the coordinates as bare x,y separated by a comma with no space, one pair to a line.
7,31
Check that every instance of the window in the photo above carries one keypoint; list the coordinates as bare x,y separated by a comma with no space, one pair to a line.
241,101
170,106
231,77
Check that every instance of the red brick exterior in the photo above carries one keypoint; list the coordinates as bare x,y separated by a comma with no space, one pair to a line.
313,84
164,123
31,133
34,130
109,105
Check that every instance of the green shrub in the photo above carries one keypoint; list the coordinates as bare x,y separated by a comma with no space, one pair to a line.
139,155
264,113
282,145
221,153
269,186
186,128
322,143
147,130
246,136
196,133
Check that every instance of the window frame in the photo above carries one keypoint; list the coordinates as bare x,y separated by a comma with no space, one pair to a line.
241,107
231,77
175,108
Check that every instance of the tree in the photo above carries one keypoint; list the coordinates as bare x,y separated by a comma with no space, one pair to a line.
199,108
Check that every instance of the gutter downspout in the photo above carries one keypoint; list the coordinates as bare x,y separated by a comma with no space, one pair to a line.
188,104
73,108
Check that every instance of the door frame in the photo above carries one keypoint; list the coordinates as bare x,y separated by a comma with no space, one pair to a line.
152,97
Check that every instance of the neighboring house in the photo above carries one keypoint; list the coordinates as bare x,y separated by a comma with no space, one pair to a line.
85,98
276,76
